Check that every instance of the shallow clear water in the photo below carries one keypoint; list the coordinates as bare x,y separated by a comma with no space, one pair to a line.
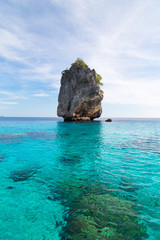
47,166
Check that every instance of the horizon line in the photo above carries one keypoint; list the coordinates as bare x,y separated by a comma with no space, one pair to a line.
95,118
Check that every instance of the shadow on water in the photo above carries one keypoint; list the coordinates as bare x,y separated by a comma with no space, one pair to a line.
94,210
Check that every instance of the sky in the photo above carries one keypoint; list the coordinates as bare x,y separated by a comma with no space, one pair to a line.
120,39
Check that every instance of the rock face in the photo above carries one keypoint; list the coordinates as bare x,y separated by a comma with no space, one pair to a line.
80,95
108,120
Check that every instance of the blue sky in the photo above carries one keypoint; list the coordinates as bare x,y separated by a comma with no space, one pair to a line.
120,39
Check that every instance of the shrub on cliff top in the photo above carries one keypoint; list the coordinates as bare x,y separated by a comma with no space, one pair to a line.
79,63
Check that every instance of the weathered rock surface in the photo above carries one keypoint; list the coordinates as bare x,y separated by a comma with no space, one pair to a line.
80,95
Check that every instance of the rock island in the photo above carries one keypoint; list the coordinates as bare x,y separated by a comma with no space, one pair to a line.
80,95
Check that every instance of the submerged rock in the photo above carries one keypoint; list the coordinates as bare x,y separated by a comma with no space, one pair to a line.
105,217
96,213
70,159
128,186
80,95
22,175
41,135
2,157
11,137
10,187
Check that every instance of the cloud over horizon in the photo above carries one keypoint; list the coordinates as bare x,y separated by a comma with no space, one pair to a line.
119,38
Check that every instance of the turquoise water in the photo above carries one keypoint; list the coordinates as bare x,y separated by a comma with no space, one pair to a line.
49,168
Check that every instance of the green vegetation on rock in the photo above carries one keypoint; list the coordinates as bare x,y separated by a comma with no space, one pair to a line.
84,80
99,78
88,80
79,63
65,71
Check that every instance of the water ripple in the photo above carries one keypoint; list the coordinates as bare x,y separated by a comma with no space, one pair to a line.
61,176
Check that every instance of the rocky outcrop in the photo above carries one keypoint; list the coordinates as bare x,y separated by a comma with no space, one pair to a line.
108,120
80,95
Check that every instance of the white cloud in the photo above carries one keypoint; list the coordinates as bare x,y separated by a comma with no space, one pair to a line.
9,45
41,95
3,108
12,95
9,103
136,92
5,93
42,73
120,39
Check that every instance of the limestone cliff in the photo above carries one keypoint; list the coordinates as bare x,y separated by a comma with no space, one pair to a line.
80,95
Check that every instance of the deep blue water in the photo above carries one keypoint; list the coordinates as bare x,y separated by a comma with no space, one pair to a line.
47,165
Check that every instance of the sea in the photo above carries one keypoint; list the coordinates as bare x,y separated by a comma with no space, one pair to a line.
74,180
